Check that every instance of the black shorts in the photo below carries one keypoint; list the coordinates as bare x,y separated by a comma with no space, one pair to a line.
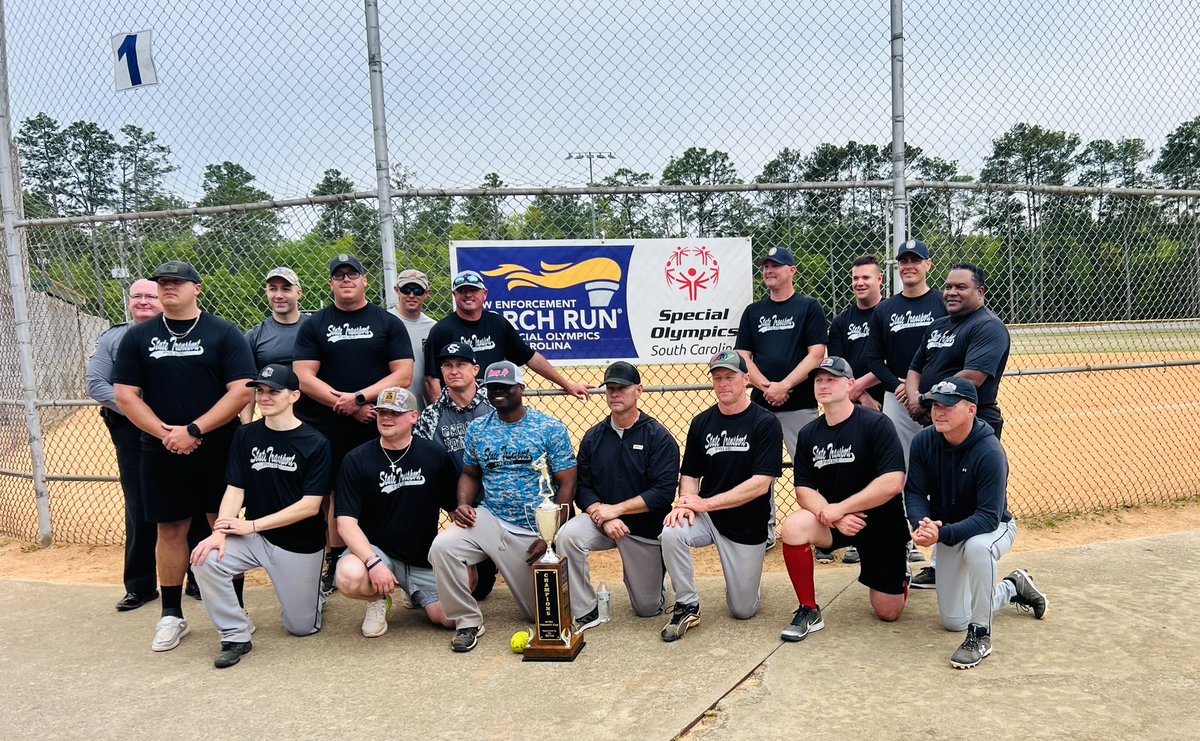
883,547
178,487
344,435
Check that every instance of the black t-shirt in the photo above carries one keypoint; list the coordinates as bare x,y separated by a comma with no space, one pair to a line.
778,334
725,450
272,342
276,468
354,349
849,335
979,342
396,500
492,338
841,460
897,327
181,378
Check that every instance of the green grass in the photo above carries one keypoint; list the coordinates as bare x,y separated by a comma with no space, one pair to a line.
1104,340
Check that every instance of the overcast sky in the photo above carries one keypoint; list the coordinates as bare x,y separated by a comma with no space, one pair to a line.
282,87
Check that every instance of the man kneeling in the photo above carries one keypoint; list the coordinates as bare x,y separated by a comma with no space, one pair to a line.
388,495
279,469
849,472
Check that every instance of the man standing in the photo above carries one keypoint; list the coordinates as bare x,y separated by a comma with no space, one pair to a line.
346,355
628,473
490,335
849,475
181,380
971,342
279,471
498,456
957,499
412,291
390,494
849,333
897,327
273,340
782,339
731,459
140,533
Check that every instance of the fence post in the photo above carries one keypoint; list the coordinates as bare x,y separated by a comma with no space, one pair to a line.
899,193
17,286
387,237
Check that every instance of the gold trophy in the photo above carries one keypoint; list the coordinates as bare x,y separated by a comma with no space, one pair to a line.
554,636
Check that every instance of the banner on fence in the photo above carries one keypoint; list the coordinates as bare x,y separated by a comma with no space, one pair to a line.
588,302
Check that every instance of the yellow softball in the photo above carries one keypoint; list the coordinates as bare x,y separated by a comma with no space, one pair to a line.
519,641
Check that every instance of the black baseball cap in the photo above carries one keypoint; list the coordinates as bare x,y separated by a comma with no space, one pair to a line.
177,270
730,359
277,376
835,366
343,260
622,374
913,247
950,392
457,350
779,256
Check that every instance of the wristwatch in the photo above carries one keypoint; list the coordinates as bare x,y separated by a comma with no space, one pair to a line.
194,430
360,399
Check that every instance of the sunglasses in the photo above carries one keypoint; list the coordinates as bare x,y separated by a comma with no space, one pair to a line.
468,280
411,290
347,275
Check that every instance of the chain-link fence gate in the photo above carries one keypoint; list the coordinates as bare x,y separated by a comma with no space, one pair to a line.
656,120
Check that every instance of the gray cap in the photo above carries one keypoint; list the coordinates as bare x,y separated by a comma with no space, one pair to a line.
729,359
503,373
835,366
396,399
286,273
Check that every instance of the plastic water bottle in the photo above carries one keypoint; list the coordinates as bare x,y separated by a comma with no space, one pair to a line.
604,602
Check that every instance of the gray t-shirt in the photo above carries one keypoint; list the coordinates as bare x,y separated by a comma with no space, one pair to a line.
418,333
272,342
100,367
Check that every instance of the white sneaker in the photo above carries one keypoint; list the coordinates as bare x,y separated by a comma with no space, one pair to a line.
169,633
375,623
253,627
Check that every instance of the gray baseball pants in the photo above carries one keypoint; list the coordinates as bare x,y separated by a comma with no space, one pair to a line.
641,560
456,547
906,427
296,578
791,422
969,589
742,565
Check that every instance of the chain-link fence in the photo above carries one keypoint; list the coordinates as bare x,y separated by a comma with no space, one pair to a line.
698,119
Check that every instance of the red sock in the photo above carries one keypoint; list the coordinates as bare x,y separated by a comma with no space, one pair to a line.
799,562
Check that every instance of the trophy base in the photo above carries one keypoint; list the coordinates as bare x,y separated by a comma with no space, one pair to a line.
554,653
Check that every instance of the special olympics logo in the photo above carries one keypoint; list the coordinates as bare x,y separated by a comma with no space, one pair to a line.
692,269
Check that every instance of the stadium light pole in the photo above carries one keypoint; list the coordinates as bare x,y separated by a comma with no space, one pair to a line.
590,156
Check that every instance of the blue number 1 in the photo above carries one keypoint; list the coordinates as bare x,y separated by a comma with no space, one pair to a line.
128,51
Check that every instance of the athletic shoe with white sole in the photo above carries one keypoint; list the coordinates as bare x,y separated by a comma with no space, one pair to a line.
375,623
926,578
975,648
914,555
169,632
231,653
823,556
683,618
590,620
1029,598
465,639
851,555
804,621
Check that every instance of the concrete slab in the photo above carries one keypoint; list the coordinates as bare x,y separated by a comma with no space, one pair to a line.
1117,655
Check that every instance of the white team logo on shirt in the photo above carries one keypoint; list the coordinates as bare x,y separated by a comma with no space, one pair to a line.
173,348
723,442
389,482
479,344
337,333
938,338
260,459
774,324
830,455
858,331
909,320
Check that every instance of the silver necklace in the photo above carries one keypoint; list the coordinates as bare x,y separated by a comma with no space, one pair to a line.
394,464
175,334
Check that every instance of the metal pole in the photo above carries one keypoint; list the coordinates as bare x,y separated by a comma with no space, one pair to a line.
17,286
383,183
899,193
591,182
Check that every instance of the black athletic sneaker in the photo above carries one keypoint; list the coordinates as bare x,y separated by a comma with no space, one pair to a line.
590,620
1029,598
974,649
926,578
231,653
465,639
851,555
804,621
684,617
823,556
914,555
328,580
192,589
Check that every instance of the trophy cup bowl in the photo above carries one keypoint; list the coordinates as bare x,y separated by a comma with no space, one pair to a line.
547,518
